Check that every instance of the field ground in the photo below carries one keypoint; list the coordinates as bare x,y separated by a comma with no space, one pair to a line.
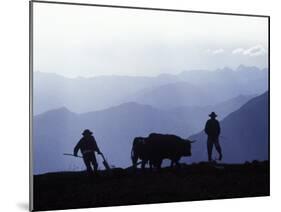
65,190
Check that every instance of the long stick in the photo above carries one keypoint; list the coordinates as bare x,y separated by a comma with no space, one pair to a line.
105,163
73,155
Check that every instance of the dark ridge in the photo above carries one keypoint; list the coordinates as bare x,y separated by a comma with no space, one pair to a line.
69,190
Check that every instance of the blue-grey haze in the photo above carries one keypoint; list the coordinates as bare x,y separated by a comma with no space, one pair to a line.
189,88
127,73
135,106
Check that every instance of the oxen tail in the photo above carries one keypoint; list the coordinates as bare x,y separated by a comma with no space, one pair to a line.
132,153
133,156
136,148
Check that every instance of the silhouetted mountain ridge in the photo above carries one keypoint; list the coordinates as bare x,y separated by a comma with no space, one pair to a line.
192,88
57,131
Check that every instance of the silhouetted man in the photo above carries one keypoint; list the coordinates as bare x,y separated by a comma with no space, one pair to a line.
88,146
212,129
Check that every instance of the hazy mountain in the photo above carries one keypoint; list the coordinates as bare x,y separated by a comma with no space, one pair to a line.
230,79
244,134
198,115
202,88
57,131
87,94
189,88
174,95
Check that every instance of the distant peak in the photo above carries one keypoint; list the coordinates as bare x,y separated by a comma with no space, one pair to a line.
129,105
61,110
244,67
226,69
167,76
241,67
133,104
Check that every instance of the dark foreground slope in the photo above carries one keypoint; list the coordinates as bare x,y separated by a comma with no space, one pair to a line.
122,187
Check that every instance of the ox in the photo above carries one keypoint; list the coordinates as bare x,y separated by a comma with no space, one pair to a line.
156,147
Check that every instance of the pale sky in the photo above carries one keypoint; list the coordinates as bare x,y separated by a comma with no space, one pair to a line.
91,41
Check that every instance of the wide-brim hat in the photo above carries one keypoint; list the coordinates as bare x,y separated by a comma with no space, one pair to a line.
213,114
87,132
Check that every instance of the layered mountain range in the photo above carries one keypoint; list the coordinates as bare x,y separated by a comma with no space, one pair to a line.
189,88
118,108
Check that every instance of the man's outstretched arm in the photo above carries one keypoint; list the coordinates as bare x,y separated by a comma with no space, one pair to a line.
76,148
219,128
96,147
206,127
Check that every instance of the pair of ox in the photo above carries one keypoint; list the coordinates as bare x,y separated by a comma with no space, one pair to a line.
157,147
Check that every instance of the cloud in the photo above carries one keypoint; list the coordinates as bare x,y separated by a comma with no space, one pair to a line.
215,51
255,51
238,51
218,51
252,51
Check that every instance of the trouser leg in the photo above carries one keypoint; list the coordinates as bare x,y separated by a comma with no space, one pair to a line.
210,149
218,148
87,163
94,162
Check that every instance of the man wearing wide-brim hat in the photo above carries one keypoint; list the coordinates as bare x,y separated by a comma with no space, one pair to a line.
212,129
88,146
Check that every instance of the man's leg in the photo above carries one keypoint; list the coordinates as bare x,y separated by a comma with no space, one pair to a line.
209,148
94,162
218,148
87,162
